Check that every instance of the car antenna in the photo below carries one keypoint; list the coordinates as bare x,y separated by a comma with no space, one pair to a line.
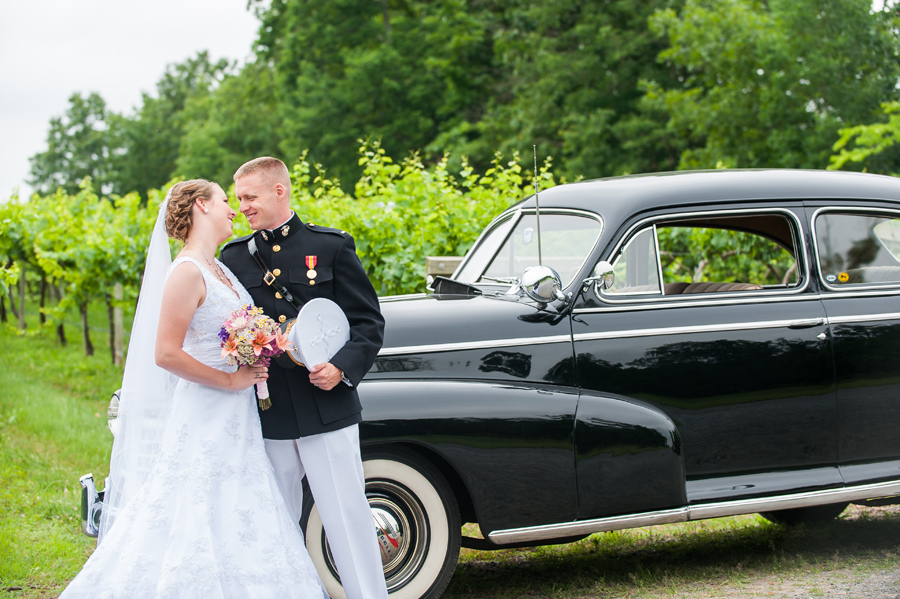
537,206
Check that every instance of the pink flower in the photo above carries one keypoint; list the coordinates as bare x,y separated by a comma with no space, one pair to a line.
230,347
281,342
238,322
261,342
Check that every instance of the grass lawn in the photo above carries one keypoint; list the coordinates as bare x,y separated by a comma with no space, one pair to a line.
52,429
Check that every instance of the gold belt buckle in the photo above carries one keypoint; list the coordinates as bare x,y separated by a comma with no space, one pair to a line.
269,278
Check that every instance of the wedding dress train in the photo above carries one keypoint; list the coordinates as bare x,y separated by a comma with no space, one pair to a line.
210,521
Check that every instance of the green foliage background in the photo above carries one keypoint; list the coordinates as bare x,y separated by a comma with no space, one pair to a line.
447,94
83,244
606,88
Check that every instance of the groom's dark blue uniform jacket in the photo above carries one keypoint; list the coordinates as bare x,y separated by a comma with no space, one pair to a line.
299,408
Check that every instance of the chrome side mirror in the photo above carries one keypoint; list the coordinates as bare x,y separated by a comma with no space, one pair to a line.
542,284
604,277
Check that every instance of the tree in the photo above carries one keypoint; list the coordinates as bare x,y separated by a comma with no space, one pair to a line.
572,86
873,146
224,128
78,146
402,71
768,84
148,144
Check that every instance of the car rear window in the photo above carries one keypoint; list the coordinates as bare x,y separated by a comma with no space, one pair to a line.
858,249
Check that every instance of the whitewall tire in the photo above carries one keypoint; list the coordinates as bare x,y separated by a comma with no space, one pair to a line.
417,519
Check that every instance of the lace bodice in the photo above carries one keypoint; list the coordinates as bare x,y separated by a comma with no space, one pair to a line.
220,302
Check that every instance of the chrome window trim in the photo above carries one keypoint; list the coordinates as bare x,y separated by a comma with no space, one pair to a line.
739,298
688,330
757,297
517,214
513,214
700,511
803,260
659,269
850,210
659,291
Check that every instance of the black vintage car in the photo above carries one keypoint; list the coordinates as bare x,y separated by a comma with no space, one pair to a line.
651,349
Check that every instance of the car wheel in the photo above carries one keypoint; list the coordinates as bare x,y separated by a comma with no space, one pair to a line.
417,521
805,515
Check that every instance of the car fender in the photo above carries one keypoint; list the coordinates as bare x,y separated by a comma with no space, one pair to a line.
628,456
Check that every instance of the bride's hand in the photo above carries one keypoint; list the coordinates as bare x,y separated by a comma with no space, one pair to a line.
247,376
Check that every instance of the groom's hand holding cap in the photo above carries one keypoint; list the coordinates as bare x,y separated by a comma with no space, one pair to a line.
325,376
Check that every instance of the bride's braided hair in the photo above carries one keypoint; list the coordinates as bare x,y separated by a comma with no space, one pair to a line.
182,198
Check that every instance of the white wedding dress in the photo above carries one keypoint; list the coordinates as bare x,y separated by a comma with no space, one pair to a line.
210,521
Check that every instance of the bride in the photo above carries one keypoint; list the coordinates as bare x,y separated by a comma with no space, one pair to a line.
192,506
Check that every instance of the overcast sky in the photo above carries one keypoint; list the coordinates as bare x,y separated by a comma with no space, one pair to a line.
50,49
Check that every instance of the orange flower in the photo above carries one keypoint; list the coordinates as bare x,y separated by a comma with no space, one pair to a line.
281,341
230,347
261,341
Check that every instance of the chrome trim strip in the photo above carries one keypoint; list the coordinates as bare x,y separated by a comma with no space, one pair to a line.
572,529
694,512
849,210
791,216
865,318
795,500
469,345
862,292
707,328
522,341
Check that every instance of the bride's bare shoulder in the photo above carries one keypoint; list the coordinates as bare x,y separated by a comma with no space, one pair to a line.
185,285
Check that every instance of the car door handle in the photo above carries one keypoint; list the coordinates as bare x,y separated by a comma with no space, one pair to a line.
805,324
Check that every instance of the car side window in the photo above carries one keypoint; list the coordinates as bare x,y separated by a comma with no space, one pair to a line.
708,254
858,249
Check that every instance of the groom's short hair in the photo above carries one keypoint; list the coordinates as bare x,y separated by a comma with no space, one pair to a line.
272,169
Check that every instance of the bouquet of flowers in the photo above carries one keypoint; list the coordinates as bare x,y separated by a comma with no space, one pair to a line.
250,337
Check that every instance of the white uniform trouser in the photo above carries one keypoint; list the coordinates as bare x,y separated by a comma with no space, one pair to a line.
333,467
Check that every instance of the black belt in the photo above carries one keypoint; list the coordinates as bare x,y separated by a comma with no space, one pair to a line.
268,278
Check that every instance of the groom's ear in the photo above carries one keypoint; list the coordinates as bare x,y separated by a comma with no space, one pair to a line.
281,191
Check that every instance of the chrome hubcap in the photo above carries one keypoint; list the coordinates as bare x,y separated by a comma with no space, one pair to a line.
402,531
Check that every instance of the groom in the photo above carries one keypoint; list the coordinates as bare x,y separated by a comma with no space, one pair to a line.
312,426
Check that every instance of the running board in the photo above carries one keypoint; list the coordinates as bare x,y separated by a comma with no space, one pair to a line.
699,511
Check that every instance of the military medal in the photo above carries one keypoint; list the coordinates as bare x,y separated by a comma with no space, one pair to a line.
311,265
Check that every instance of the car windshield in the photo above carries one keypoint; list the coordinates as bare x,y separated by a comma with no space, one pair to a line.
512,246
